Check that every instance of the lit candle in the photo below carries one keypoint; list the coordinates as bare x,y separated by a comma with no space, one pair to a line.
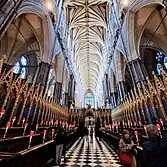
53,131
56,123
140,123
162,123
31,135
52,122
1,113
23,120
7,127
44,135
25,127
137,138
159,130
37,126
13,120
145,130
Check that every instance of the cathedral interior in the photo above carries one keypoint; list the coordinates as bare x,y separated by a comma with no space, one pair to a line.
99,65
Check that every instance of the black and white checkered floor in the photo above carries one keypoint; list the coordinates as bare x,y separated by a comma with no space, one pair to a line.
91,153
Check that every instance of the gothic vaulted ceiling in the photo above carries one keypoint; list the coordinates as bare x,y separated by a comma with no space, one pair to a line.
87,20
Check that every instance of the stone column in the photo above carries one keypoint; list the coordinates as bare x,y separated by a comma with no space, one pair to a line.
121,90
58,90
43,74
71,88
114,99
138,71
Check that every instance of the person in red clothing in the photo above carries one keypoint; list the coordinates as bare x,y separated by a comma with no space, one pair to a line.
127,147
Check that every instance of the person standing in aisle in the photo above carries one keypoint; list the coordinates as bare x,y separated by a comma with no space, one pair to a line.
59,145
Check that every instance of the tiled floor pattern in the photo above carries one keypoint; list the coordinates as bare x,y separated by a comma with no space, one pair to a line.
89,152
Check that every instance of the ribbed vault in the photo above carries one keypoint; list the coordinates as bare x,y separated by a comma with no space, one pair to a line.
87,21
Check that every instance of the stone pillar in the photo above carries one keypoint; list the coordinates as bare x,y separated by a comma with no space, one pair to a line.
137,70
70,87
67,99
121,90
58,90
114,99
43,73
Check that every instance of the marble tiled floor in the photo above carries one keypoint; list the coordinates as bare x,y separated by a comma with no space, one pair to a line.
89,152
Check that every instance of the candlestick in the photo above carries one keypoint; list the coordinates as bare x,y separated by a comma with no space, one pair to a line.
13,120
31,135
1,113
7,127
159,130
145,130
44,135
162,123
37,126
137,138
25,126
23,120
53,131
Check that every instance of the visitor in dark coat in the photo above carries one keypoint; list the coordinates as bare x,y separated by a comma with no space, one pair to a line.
60,140
155,149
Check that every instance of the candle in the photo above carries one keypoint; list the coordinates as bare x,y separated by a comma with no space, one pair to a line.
31,135
53,131
162,123
37,126
137,139
13,120
44,135
145,130
159,130
1,113
25,126
7,127
23,120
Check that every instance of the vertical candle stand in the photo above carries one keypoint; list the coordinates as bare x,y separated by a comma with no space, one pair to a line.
145,130
53,131
30,140
23,121
159,130
137,137
44,135
13,120
6,129
2,112
25,127
36,128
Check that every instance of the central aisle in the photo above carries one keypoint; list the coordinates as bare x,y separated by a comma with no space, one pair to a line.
91,153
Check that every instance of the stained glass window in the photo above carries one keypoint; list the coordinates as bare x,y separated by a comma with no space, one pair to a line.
165,62
161,60
89,100
159,69
20,67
